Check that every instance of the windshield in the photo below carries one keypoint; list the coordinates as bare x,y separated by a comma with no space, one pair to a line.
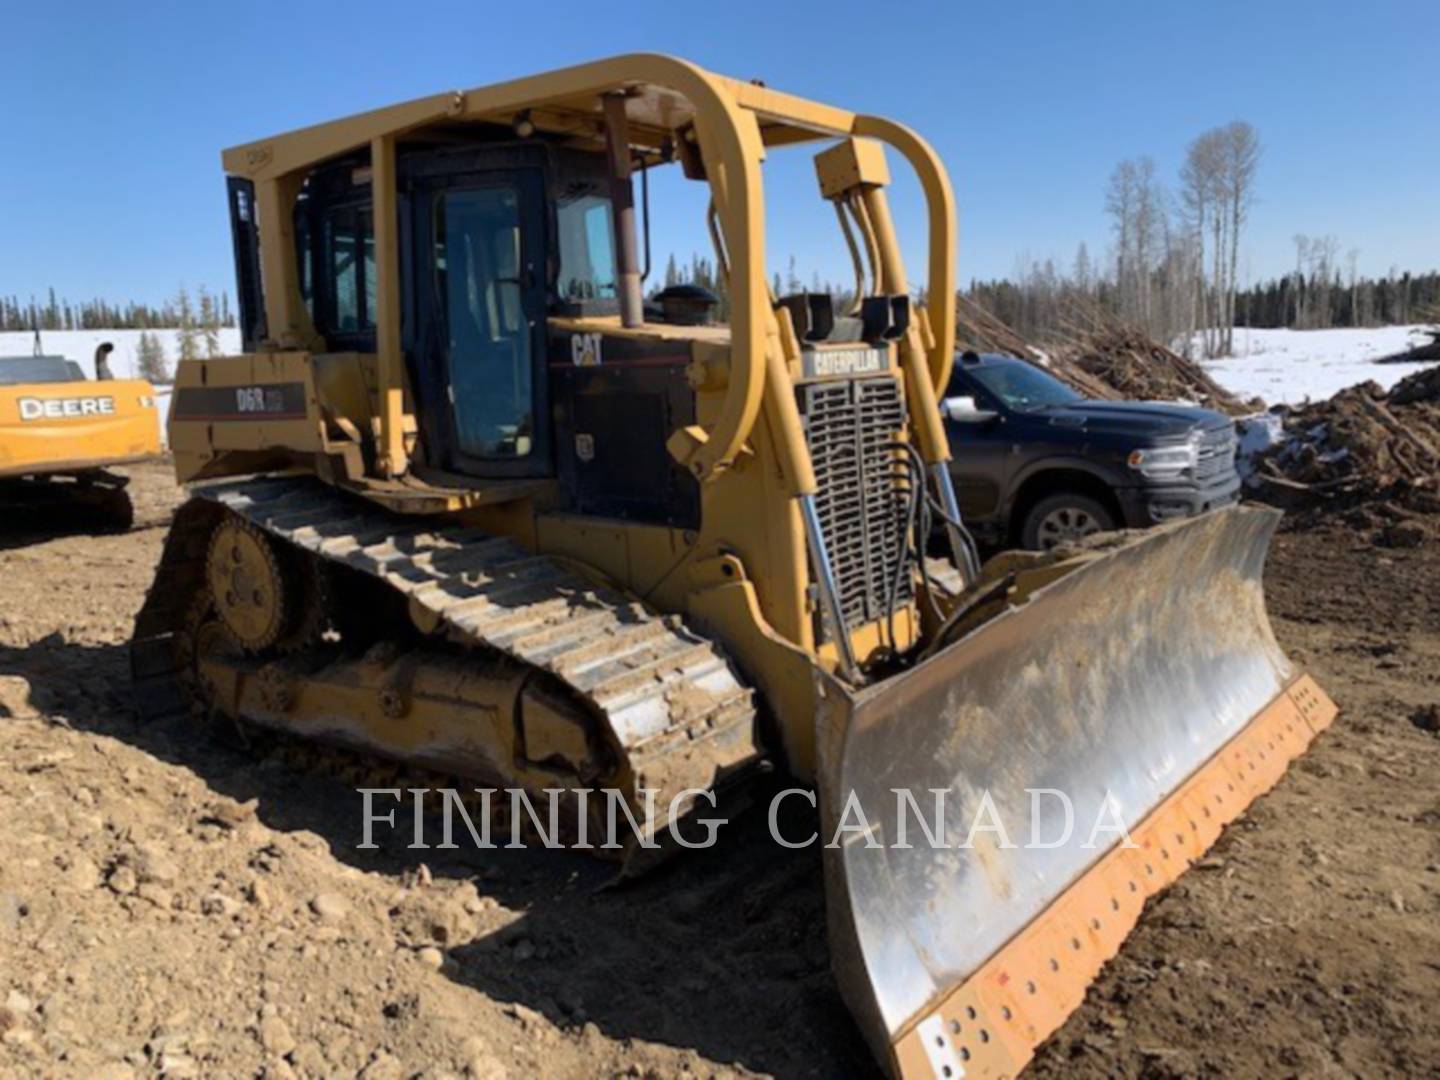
1023,387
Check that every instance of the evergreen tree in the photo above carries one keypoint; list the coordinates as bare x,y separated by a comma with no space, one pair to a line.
151,364
209,323
188,338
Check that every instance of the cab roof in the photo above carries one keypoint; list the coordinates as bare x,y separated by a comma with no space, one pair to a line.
660,96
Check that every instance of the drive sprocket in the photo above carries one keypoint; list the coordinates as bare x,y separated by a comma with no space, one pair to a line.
247,584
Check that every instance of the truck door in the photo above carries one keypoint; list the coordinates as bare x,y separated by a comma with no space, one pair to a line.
481,309
980,452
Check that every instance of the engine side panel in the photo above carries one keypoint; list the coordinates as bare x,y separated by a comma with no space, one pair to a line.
617,400
240,414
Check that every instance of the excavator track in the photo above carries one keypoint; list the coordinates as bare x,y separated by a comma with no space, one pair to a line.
672,705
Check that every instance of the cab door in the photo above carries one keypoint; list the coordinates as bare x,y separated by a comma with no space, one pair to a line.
481,302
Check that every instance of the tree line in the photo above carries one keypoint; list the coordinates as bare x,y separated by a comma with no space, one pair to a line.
1039,300
57,313
1320,293
701,270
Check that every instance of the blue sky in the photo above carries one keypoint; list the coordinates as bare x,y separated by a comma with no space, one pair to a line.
116,114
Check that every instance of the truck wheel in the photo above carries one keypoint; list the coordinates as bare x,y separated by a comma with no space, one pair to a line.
1062,518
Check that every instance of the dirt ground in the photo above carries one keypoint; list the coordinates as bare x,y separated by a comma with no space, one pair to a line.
173,902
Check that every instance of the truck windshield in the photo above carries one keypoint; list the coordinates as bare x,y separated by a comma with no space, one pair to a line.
1022,387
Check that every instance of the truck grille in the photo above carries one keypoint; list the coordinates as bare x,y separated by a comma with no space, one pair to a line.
1217,453
863,489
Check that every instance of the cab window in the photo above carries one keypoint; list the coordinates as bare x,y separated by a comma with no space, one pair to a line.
586,241
347,253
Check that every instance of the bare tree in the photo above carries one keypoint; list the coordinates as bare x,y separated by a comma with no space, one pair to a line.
1352,258
1241,160
1120,199
1324,279
1202,195
1302,260
1136,200
1150,226
1083,273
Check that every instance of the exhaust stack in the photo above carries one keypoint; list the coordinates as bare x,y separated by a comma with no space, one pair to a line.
622,198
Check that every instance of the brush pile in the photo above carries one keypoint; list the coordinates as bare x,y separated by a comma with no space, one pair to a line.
1135,367
1371,456
978,330
1419,351
1101,357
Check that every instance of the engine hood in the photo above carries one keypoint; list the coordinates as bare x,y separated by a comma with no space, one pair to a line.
1144,419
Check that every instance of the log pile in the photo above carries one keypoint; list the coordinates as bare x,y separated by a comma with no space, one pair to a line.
1371,456
1419,351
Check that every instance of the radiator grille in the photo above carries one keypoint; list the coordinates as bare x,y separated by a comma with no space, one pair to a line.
1217,453
863,489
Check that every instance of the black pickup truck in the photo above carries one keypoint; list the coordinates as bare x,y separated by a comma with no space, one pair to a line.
1035,463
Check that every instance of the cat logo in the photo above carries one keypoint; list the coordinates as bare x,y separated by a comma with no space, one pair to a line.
585,350
65,408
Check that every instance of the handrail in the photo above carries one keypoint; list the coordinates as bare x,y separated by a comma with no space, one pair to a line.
940,202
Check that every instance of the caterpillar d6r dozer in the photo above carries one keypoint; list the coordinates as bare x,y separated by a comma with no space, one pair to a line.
469,500
60,434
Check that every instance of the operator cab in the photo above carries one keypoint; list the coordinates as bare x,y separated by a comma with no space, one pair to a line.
496,236
508,256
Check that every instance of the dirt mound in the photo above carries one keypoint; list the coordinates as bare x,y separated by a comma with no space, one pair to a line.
1369,455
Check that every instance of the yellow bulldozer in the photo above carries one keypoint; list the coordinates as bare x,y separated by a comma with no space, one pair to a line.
61,434
471,500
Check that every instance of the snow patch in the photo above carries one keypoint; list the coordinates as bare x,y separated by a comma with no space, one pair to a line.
1258,433
1287,367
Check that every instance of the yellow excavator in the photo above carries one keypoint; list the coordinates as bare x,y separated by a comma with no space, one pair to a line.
61,434
470,500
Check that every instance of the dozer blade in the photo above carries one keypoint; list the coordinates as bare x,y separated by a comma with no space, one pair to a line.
1148,688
